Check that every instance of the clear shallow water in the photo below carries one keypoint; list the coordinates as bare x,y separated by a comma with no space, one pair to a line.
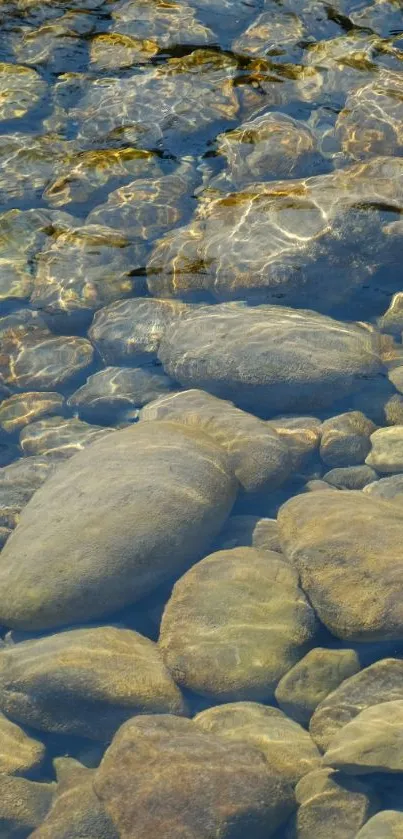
200,209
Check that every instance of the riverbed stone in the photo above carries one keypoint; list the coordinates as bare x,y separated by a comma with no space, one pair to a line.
20,753
346,439
235,623
85,681
316,675
250,531
76,811
287,747
22,408
129,331
301,434
330,805
198,784
388,824
380,682
23,805
122,516
59,436
259,457
35,359
371,742
386,454
340,542
351,477
390,488
268,359
21,89
116,392
18,482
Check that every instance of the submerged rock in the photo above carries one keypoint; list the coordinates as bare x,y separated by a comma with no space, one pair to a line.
235,623
85,681
21,90
250,531
330,805
22,408
23,805
195,781
371,122
388,824
346,439
118,391
371,742
386,454
59,436
343,542
20,754
122,516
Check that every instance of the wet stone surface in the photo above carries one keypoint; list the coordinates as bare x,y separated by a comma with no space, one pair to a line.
201,419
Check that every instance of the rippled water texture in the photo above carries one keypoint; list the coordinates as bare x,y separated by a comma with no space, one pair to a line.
201,419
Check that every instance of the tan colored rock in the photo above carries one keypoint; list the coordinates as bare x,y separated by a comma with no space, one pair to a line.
235,623
85,682
331,806
19,754
251,531
76,811
345,439
316,675
23,408
301,434
380,682
128,512
288,748
23,805
59,436
259,458
386,453
350,477
343,543
162,776
371,742
388,824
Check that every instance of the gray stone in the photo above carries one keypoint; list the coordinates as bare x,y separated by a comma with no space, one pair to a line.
85,681
22,408
302,435
316,675
122,516
116,392
386,453
371,742
250,531
388,488
345,439
235,623
59,436
350,477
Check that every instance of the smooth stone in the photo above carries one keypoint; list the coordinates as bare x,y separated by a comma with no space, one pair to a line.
301,434
35,359
23,408
341,543
18,482
388,824
235,623
288,748
268,359
122,516
350,477
258,456
380,682
249,531
129,331
59,436
345,439
393,410
371,742
331,806
76,812
23,805
85,682
20,754
386,453
316,675
388,488
392,320
5,532
162,776
118,391
317,485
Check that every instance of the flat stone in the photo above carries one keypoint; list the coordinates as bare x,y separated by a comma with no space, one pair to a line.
289,750
330,805
250,531
342,541
22,408
388,824
371,742
41,681
59,436
258,456
350,477
235,623
198,783
345,439
316,675
386,454
76,810
145,502
380,682
117,392
268,359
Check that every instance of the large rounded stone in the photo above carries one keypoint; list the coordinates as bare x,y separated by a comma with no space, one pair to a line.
164,777
269,359
380,682
20,754
331,806
287,747
371,742
259,458
388,824
312,678
235,623
85,681
122,516
76,810
343,544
